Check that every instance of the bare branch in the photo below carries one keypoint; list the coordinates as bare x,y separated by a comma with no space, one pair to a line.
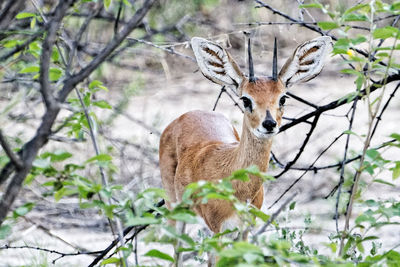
290,164
166,48
47,46
339,102
13,158
219,96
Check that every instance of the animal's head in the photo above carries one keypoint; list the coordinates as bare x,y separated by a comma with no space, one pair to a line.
263,97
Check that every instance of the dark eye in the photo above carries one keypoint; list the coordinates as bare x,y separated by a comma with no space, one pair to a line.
247,103
282,100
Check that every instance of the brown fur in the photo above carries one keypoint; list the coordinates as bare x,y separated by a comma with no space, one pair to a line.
203,145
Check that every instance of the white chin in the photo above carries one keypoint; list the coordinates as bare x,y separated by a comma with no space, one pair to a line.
263,134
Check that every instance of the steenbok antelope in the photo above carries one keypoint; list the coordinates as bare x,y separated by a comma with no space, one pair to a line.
202,145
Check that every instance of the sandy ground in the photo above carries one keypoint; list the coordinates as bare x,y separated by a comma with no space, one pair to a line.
178,90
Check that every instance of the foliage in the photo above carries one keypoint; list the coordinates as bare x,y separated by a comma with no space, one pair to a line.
62,175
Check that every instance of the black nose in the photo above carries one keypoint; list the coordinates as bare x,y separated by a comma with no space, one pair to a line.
269,124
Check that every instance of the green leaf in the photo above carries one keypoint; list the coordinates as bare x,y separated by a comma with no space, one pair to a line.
142,221
107,3
341,46
56,156
371,237
372,153
292,205
10,43
110,260
328,25
258,213
365,217
97,84
54,74
160,255
395,136
100,157
313,5
183,215
22,210
350,132
354,17
395,6
359,82
358,40
55,55
41,163
87,98
386,32
358,7
240,175
24,15
396,171
33,23
371,203
380,181
64,192
392,258
102,104
5,231
29,178
30,69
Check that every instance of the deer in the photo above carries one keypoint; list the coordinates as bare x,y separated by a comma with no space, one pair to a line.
203,145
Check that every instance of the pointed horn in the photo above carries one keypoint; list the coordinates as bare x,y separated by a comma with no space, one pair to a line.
251,67
275,63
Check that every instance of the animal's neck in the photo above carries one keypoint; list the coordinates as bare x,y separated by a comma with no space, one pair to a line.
251,151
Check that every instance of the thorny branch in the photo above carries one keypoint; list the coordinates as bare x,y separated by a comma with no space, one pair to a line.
31,148
61,254
342,167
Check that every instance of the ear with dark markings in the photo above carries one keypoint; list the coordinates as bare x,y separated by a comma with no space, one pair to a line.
216,63
307,61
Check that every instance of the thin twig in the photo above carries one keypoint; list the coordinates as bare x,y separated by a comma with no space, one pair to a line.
302,100
339,102
302,23
164,48
275,214
342,167
290,164
219,96
311,167
62,254
103,175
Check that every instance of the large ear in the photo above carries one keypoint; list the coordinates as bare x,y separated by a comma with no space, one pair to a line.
307,61
216,64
